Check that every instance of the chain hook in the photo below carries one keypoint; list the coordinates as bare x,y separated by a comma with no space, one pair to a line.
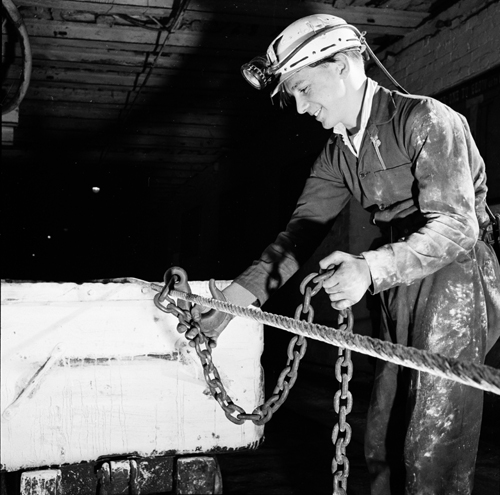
212,319
174,278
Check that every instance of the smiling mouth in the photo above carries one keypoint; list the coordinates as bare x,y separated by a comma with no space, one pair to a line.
315,114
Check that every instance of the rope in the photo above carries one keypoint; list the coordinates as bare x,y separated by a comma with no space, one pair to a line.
475,375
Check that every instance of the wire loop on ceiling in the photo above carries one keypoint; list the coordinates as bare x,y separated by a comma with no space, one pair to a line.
14,17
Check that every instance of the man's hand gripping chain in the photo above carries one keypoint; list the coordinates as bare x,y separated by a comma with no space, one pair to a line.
192,319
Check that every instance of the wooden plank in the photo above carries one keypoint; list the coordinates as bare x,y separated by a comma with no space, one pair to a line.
126,381
125,35
12,118
197,162
284,9
167,165
79,479
159,8
94,78
84,31
135,35
161,79
102,55
44,92
153,476
243,11
200,474
175,143
42,482
164,165
170,163
7,136
183,134
228,102
81,45
58,55
162,168
84,111
267,28
112,112
30,137
142,476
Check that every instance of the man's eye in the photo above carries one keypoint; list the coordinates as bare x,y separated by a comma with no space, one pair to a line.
303,90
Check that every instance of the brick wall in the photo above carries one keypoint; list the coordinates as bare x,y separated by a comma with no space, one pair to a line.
457,45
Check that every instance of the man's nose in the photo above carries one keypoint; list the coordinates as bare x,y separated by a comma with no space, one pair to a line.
301,104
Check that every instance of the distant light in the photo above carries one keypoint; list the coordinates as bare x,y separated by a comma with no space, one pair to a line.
96,189
49,237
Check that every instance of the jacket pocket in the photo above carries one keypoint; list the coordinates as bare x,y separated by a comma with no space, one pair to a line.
391,185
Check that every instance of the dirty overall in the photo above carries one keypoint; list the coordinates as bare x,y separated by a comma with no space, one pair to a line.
423,431
419,172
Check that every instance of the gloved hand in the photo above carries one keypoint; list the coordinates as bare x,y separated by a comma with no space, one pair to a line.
211,321
349,281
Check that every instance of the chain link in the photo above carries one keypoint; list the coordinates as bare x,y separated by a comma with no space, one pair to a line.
342,401
342,431
296,350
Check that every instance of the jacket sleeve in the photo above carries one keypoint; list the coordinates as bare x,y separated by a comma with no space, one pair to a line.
322,199
442,156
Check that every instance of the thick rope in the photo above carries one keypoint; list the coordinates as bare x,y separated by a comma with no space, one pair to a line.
476,375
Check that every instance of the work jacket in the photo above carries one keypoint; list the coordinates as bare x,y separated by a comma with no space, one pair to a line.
417,161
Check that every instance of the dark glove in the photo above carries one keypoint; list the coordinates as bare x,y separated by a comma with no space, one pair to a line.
212,322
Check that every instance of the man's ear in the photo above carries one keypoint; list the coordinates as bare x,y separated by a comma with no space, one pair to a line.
343,66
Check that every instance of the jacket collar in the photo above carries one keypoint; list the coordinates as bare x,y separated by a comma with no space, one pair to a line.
383,111
383,107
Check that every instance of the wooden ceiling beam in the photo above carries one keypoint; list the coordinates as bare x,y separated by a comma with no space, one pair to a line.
282,12
202,100
90,31
157,8
128,36
164,130
177,64
161,165
277,13
145,156
132,55
168,81
210,120
70,130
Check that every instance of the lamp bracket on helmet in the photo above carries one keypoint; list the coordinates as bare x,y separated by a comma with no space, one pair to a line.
306,41
257,73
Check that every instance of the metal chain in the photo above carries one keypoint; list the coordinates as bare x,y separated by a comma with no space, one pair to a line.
342,402
286,380
342,405
342,431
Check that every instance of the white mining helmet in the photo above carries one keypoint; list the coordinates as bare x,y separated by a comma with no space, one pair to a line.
308,40
304,42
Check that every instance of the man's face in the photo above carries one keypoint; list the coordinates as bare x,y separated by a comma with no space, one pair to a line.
320,92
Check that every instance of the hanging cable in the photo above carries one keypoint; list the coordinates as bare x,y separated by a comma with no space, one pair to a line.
172,23
16,19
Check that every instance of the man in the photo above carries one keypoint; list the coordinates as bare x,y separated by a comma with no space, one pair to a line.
411,162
